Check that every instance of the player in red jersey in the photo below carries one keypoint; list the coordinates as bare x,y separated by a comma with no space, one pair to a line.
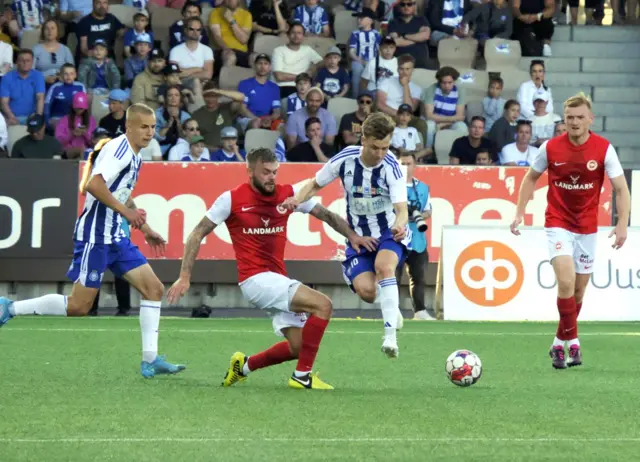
257,223
577,162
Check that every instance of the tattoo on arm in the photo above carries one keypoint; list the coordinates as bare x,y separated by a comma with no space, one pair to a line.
193,245
332,219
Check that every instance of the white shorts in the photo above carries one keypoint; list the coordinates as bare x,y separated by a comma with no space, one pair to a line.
273,292
582,247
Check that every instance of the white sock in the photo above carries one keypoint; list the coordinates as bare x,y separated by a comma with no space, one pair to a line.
558,342
149,324
389,301
49,305
575,341
245,368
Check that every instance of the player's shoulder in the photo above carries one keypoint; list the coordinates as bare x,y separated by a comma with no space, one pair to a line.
118,148
391,164
349,152
600,141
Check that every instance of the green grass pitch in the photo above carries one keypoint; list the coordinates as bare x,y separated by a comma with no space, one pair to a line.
70,390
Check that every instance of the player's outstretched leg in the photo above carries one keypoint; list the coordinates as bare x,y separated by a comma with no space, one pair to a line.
389,299
51,305
242,365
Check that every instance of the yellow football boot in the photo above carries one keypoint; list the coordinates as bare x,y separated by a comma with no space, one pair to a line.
310,381
234,374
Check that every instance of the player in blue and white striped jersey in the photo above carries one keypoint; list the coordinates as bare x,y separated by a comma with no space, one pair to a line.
110,175
376,195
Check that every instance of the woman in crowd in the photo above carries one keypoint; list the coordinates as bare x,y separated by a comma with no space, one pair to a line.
75,130
270,16
50,55
532,87
169,118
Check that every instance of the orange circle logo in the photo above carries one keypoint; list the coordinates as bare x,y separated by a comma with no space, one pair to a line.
592,165
489,273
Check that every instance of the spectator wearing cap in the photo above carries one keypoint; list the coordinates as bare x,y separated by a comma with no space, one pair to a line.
314,149
270,16
351,124
261,106
446,19
406,138
57,103
363,46
444,104
176,31
140,29
332,79
99,25
114,122
36,145
75,130
384,65
296,128
521,152
230,26
99,134
189,129
465,149
293,59
214,116
169,118
194,58
530,88
296,100
50,55
137,63
313,18
22,90
99,73
196,151
145,86
543,123
411,33
172,77
229,152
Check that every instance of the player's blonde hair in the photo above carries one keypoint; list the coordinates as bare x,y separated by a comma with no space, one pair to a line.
88,166
578,100
378,126
139,108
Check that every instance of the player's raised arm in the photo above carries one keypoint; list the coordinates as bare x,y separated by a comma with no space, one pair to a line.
623,197
528,187
329,172
341,226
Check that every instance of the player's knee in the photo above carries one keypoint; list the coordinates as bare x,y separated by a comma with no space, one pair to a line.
384,271
77,307
566,287
324,307
367,294
153,291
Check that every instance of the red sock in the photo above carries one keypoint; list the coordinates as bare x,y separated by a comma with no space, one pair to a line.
568,325
578,308
312,333
273,355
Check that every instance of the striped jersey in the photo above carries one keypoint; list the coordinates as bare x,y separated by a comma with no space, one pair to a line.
312,19
120,167
370,192
365,44
294,102
29,13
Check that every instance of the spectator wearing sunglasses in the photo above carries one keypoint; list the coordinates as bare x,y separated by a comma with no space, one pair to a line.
176,31
50,55
351,124
57,103
190,129
411,33
194,58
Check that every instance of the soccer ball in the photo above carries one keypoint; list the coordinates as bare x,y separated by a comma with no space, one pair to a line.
463,367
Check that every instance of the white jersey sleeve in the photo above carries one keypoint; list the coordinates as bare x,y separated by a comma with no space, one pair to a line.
329,172
221,209
540,162
305,207
396,180
113,159
612,163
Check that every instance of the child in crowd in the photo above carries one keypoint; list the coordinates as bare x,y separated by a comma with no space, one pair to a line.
493,103
114,122
230,151
483,158
363,47
75,130
140,27
543,123
139,4
332,79
98,73
503,131
313,18
406,138
385,65
57,104
196,150
137,63
490,19
297,100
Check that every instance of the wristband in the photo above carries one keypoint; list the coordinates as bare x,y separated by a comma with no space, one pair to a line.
233,22
539,16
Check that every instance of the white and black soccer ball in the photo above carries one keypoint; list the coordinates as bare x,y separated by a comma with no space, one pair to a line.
463,367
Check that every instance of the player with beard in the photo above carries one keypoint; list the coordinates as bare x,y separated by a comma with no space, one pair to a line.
257,223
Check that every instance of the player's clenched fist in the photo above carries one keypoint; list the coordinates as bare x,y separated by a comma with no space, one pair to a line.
290,203
177,290
136,218
399,232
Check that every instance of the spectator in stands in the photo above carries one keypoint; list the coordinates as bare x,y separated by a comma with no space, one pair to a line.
99,73
22,90
169,117
37,145
351,124
560,129
493,103
196,150
332,79
57,104
395,91
446,19
172,77
465,149
543,123
213,116
99,25
296,128
176,4
6,58
140,29
406,138
483,158
114,122
72,12
411,33
363,47
521,152
152,152
296,100
229,151
503,130
261,106
444,104
270,16
27,15
313,18
189,129
492,19
4,138
137,63
293,59
532,87
231,29
50,55
194,58
176,31
144,88
533,24
385,65
314,149
75,130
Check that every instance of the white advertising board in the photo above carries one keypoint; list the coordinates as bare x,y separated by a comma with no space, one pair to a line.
491,275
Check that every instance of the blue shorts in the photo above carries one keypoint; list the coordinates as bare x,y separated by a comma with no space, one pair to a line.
365,261
90,261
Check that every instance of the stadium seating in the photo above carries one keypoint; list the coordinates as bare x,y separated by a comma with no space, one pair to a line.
260,138
457,53
341,106
320,44
474,108
475,83
15,132
267,43
29,38
204,17
443,142
123,13
502,54
99,106
423,77
118,50
163,18
230,76
343,24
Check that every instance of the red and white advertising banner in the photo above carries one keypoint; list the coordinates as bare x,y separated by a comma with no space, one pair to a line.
177,195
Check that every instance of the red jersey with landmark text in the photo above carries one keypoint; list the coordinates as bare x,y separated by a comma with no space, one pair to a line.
257,225
576,176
